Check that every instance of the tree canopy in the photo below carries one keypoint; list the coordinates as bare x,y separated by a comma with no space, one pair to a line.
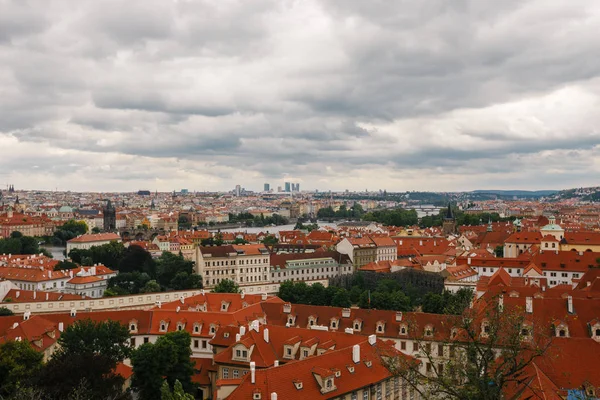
19,365
166,360
87,355
226,286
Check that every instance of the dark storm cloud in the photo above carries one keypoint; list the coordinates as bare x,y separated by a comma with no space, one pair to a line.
317,90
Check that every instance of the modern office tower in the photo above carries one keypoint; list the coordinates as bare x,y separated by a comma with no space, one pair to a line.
238,190
267,187
288,187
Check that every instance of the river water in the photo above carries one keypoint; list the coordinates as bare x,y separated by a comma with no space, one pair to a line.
57,252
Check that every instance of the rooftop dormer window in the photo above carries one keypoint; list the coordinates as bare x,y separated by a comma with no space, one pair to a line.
357,324
298,385
485,328
212,329
133,326
428,331
180,326
197,328
403,329
163,326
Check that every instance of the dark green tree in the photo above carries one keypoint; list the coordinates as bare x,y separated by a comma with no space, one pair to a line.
226,286
88,354
135,258
5,312
19,365
168,358
65,264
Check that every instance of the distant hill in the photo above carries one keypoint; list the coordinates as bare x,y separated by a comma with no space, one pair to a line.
518,193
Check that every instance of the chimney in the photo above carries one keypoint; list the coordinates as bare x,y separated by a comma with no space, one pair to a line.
287,308
570,304
264,297
61,326
501,303
529,304
237,337
398,316
356,354
242,330
181,300
469,260
349,331
19,293
273,396
47,296
252,372
34,294
266,335
276,363
178,308
26,315
15,325
345,313
372,339
242,295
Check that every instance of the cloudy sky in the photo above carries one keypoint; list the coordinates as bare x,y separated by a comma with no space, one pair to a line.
334,94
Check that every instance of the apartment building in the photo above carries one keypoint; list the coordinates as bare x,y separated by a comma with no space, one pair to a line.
243,264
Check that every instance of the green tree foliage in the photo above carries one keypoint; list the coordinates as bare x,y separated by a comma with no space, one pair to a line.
95,230
168,358
183,222
397,217
19,365
109,254
173,271
151,287
88,354
128,283
5,312
258,220
356,211
216,240
226,286
139,273
19,244
412,283
270,240
69,230
136,258
447,302
306,227
65,264
177,394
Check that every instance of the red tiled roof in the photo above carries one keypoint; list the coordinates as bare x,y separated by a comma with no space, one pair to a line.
95,237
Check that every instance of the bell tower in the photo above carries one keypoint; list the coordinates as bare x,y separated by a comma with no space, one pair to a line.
449,224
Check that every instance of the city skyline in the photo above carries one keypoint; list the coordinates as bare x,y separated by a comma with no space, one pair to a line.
329,94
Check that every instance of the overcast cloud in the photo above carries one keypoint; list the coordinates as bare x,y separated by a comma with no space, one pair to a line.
334,94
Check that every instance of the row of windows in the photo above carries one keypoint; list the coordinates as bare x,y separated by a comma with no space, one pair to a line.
240,262
235,372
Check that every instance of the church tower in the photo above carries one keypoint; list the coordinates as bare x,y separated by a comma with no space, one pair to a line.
449,224
110,217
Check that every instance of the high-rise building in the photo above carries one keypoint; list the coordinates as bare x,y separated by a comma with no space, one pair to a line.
267,187
297,187
288,187
238,190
